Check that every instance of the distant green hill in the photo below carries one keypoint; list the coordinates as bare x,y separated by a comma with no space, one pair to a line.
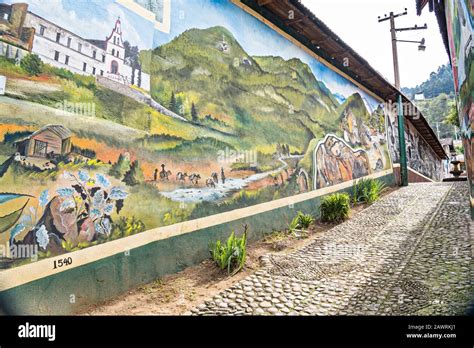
439,82
438,91
435,111
247,96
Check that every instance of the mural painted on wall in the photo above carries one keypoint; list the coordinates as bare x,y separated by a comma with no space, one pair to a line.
420,156
115,128
460,26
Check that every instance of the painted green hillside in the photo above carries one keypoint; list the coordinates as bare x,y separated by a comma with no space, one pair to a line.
356,105
240,94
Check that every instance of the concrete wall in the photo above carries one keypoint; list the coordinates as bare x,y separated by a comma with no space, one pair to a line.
420,156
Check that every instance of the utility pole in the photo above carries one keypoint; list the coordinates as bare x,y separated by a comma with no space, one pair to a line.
393,31
396,68
401,119
437,129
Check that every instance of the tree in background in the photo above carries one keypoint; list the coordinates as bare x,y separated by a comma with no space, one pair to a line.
119,168
32,64
453,118
194,113
132,58
134,176
435,111
180,105
438,105
139,79
440,81
173,106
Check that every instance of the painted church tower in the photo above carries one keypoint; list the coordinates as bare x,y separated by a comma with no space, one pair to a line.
115,50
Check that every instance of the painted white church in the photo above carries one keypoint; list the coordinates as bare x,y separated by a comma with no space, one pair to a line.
64,49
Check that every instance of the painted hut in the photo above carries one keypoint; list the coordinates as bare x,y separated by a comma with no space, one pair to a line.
49,141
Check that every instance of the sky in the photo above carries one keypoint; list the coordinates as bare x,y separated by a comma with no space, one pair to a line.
356,23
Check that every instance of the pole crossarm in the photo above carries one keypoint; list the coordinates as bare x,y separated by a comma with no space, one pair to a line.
386,18
418,42
412,28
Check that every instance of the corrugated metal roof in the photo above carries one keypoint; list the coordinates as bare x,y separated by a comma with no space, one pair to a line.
439,9
419,6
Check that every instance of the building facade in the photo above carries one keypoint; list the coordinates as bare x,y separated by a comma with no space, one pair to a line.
62,48
456,22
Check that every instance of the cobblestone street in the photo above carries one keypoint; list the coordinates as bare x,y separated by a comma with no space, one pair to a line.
407,254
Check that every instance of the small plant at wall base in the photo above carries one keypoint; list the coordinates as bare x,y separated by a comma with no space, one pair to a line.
368,191
232,254
335,207
300,223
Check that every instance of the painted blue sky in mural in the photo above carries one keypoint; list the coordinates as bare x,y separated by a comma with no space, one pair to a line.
94,19
255,37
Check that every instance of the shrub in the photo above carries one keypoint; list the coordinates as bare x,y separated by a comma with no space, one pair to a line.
232,254
84,152
121,167
10,138
134,176
32,64
80,80
304,220
368,191
300,222
335,207
127,227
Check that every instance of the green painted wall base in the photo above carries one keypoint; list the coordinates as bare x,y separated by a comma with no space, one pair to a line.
73,290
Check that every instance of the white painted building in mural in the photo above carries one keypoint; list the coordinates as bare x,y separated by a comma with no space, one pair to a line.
64,49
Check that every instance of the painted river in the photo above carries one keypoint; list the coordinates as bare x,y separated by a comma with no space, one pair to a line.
210,194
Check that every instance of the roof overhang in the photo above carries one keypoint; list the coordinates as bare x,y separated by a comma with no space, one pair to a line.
311,32
436,6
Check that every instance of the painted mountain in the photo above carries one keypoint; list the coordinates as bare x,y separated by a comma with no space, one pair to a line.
241,94
340,98
210,99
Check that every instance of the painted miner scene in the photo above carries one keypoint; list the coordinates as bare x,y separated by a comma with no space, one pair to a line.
112,129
